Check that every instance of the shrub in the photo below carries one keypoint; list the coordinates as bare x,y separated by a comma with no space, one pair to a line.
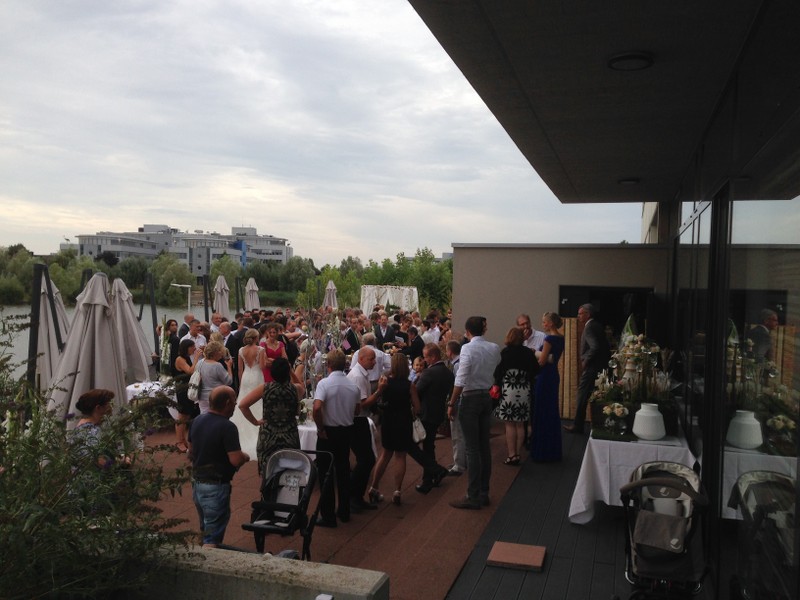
69,529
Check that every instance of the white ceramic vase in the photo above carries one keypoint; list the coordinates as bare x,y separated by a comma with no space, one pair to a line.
648,424
744,431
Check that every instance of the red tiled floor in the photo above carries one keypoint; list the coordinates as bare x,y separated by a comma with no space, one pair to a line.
421,544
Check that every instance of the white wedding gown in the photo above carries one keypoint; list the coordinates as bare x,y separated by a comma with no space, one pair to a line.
252,377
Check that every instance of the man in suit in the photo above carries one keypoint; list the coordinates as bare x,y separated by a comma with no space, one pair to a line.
759,338
594,358
433,385
384,334
415,344
352,337
184,328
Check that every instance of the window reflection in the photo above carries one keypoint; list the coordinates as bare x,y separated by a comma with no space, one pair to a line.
762,404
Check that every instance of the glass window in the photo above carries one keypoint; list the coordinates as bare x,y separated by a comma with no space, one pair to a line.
760,470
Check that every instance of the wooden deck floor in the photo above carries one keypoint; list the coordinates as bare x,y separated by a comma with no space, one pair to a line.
431,551
582,561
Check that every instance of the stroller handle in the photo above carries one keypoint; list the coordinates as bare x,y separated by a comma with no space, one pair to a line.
675,484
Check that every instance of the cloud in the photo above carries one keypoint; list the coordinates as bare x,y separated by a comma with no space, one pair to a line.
341,126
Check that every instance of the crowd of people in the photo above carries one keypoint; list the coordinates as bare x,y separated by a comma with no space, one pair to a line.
361,368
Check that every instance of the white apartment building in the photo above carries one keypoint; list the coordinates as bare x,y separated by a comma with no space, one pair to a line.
197,249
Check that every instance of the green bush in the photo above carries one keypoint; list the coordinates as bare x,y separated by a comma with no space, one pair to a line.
69,529
11,291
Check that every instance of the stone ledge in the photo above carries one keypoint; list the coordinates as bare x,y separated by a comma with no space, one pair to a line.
215,573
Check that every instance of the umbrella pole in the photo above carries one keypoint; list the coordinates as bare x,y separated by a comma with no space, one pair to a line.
150,290
206,295
33,343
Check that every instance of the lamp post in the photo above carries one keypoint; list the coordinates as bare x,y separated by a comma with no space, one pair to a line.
188,294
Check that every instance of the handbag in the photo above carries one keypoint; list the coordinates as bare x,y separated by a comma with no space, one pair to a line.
417,431
195,383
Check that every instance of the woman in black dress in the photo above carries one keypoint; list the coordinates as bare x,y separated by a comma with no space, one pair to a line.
400,403
181,372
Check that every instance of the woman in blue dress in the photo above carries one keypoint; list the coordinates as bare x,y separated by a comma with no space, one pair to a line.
546,421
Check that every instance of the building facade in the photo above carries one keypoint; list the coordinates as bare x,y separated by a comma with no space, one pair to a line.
197,250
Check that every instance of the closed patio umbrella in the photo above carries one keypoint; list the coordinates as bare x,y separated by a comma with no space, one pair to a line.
251,301
136,357
92,356
222,294
330,296
49,352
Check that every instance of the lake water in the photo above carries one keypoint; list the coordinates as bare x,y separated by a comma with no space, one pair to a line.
20,343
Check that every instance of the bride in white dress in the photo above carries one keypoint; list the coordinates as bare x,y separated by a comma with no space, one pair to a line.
252,359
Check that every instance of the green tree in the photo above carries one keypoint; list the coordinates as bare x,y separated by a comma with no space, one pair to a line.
166,270
11,291
108,257
133,270
295,274
64,257
227,267
266,274
351,264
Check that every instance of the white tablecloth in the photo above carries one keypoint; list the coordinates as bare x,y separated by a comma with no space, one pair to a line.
607,466
308,435
737,462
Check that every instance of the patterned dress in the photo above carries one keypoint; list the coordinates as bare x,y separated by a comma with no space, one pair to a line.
279,430
515,375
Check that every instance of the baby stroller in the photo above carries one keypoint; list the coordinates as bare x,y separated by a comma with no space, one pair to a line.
767,501
663,546
289,479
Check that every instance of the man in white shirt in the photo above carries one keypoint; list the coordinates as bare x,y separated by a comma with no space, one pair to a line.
336,400
216,320
382,361
361,440
531,338
477,362
194,334
428,334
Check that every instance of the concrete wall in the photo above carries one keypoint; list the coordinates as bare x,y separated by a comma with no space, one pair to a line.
500,281
216,574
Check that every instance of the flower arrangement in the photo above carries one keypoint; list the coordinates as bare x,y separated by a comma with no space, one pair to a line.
781,431
634,377
305,410
782,424
616,418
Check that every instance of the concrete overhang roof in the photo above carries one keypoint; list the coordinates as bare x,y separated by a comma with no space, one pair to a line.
595,134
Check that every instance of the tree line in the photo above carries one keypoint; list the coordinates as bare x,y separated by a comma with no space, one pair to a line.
296,283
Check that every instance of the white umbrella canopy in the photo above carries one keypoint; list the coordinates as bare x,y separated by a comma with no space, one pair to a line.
330,296
222,294
251,301
91,357
47,343
136,356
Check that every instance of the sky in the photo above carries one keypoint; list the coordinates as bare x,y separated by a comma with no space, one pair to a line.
342,126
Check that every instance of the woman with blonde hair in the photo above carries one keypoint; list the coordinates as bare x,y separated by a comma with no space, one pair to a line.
251,361
214,371
546,421
515,376
400,403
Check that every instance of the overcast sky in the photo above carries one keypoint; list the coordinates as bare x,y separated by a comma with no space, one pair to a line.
342,126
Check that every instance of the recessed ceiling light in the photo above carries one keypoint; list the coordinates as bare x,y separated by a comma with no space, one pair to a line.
629,181
631,61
